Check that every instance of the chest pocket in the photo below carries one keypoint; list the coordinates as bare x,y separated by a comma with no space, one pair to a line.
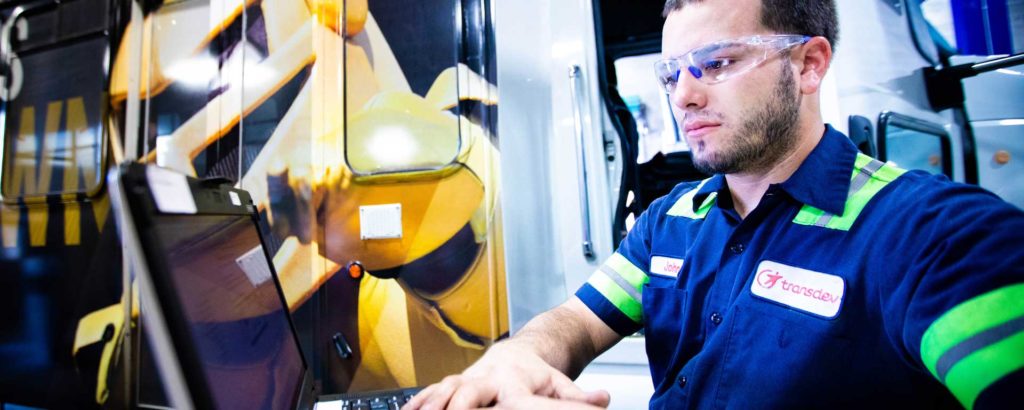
785,358
664,313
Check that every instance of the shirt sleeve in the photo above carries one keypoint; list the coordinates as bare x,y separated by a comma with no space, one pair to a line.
959,309
614,290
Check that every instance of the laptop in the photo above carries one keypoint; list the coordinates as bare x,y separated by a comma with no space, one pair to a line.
213,309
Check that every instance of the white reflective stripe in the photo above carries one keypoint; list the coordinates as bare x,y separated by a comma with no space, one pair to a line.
864,175
622,282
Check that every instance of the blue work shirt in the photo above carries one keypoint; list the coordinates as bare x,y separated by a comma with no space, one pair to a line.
851,284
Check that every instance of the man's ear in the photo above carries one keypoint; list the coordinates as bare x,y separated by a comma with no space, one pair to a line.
813,62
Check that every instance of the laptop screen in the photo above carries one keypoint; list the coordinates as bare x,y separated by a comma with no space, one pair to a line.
237,320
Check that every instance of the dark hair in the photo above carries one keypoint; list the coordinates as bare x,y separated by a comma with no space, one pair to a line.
808,17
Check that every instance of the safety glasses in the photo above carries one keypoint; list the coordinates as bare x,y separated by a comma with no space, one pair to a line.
720,61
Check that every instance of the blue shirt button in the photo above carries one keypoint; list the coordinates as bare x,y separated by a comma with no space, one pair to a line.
737,248
681,381
716,318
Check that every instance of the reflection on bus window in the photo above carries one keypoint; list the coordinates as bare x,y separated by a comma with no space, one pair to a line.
401,132
53,135
649,105
911,143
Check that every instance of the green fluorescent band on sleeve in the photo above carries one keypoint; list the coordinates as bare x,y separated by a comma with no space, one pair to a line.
618,297
975,343
968,319
622,282
627,271
972,375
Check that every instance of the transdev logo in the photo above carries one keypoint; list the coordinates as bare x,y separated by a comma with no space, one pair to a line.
810,291
768,278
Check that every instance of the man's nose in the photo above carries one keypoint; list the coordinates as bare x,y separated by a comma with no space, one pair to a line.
689,94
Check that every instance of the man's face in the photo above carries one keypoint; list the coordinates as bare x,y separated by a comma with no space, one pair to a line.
744,124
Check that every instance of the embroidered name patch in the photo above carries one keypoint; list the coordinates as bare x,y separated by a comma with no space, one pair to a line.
666,266
806,290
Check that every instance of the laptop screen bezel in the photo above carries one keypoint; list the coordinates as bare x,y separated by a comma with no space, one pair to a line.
151,265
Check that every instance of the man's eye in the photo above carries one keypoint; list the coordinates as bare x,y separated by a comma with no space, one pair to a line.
670,78
716,64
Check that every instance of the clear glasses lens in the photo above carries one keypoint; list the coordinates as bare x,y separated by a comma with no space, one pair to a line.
718,62
721,61
667,73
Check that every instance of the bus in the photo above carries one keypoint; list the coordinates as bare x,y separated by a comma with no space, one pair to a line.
411,221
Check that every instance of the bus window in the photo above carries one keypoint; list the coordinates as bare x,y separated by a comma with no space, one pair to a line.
649,105
412,130
401,133
912,143
663,159
52,99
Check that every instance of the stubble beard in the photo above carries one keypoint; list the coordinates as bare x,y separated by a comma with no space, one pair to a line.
763,139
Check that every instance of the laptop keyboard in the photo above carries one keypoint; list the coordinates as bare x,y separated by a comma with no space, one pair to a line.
376,400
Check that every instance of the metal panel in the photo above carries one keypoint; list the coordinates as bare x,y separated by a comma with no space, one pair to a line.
874,70
1001,158
535,278
540,192
993,95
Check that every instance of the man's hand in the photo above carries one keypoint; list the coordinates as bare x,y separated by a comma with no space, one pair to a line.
530,368
508,376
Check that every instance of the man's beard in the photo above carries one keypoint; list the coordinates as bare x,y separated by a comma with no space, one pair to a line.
766,136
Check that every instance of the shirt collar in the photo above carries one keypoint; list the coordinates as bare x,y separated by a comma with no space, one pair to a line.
821,181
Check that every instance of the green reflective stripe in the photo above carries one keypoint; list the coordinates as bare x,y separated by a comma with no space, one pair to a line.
622,282
617,296
868,178
888,173
684,205
705,207
885,172
976,343
627,271
856,203
863,175
972,375
824,220
808,215
969,319
860,162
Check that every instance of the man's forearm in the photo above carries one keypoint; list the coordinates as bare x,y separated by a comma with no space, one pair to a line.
560,338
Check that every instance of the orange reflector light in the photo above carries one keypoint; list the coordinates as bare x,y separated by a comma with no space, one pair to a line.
355,270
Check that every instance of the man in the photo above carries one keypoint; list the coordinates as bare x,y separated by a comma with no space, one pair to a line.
802,274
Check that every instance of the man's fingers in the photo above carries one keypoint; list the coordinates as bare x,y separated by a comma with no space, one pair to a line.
472,395
420,398
543,403
435,397
599,398
438,400
564,388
